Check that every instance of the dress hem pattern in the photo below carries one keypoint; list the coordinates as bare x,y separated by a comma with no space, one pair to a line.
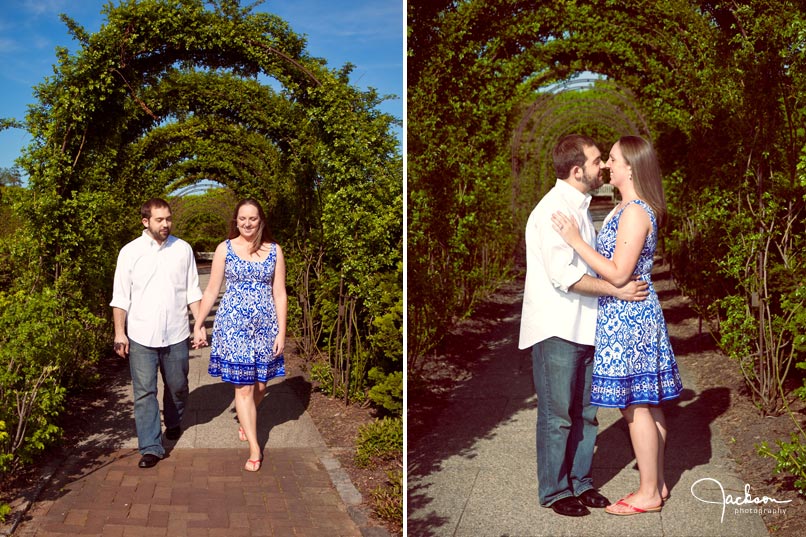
231,370
650,389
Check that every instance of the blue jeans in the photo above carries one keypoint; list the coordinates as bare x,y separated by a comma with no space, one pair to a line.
173,364
566,420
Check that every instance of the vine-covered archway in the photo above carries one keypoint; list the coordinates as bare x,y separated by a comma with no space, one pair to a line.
595,106
169,93
718,86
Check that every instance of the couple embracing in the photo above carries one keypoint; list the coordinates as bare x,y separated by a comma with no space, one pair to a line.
594,323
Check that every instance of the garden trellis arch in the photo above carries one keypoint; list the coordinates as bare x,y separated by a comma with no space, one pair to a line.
172,92
548,117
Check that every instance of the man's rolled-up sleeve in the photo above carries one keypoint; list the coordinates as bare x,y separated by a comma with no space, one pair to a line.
194,292
122,286
558,258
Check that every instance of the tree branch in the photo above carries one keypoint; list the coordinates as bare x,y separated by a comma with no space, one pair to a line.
134,95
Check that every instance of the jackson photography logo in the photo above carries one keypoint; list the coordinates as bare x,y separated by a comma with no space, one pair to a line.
747,504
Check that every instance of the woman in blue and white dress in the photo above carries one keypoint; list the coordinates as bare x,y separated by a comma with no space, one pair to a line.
634,367
250,323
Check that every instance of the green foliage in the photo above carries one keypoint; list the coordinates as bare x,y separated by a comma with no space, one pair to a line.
797,326
10,225
6,458
387,392
203,219
322,375
10,192
381,439
763,315
387,499
462,80
329,380
5,510
41,354
790,459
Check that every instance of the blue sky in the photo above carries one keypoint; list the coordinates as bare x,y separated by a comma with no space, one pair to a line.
366,33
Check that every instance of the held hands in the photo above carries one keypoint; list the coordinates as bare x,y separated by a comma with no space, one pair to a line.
566,227
199,337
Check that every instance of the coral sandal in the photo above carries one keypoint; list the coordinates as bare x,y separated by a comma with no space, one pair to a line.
241,434
631,509
255,465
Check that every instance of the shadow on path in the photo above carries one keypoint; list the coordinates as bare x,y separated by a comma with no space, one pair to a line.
688,421
477,381
478,386
285,401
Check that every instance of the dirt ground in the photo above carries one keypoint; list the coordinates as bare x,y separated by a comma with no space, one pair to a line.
337,423
741,425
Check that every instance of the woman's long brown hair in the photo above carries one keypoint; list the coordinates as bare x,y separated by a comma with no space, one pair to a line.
646,175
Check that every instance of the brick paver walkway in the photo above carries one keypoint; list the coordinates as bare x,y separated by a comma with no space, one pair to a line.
194,492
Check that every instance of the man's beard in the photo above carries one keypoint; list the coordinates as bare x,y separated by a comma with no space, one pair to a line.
592,182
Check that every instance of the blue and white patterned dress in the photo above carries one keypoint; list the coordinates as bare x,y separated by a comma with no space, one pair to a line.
634,362
246,323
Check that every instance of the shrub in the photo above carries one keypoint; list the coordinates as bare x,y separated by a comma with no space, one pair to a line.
5,457
380,439
790,458
387,391
387,499
322,375
43,350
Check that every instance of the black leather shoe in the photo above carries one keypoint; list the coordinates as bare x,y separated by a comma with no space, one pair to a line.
570,506
173,433
148,461
592,498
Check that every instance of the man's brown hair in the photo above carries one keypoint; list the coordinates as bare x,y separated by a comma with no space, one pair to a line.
570,152
150,205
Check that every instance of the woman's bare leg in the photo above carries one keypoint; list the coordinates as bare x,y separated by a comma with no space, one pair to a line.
645,441
660,425
247,416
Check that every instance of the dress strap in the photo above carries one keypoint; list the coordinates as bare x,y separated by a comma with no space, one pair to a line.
645,206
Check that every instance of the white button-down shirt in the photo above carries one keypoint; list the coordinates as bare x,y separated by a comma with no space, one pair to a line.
549,309
155,283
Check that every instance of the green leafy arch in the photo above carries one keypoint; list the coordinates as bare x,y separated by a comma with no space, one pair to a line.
711,81
169,93
597,107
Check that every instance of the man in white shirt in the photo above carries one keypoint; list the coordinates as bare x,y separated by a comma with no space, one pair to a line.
155,282
559,323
